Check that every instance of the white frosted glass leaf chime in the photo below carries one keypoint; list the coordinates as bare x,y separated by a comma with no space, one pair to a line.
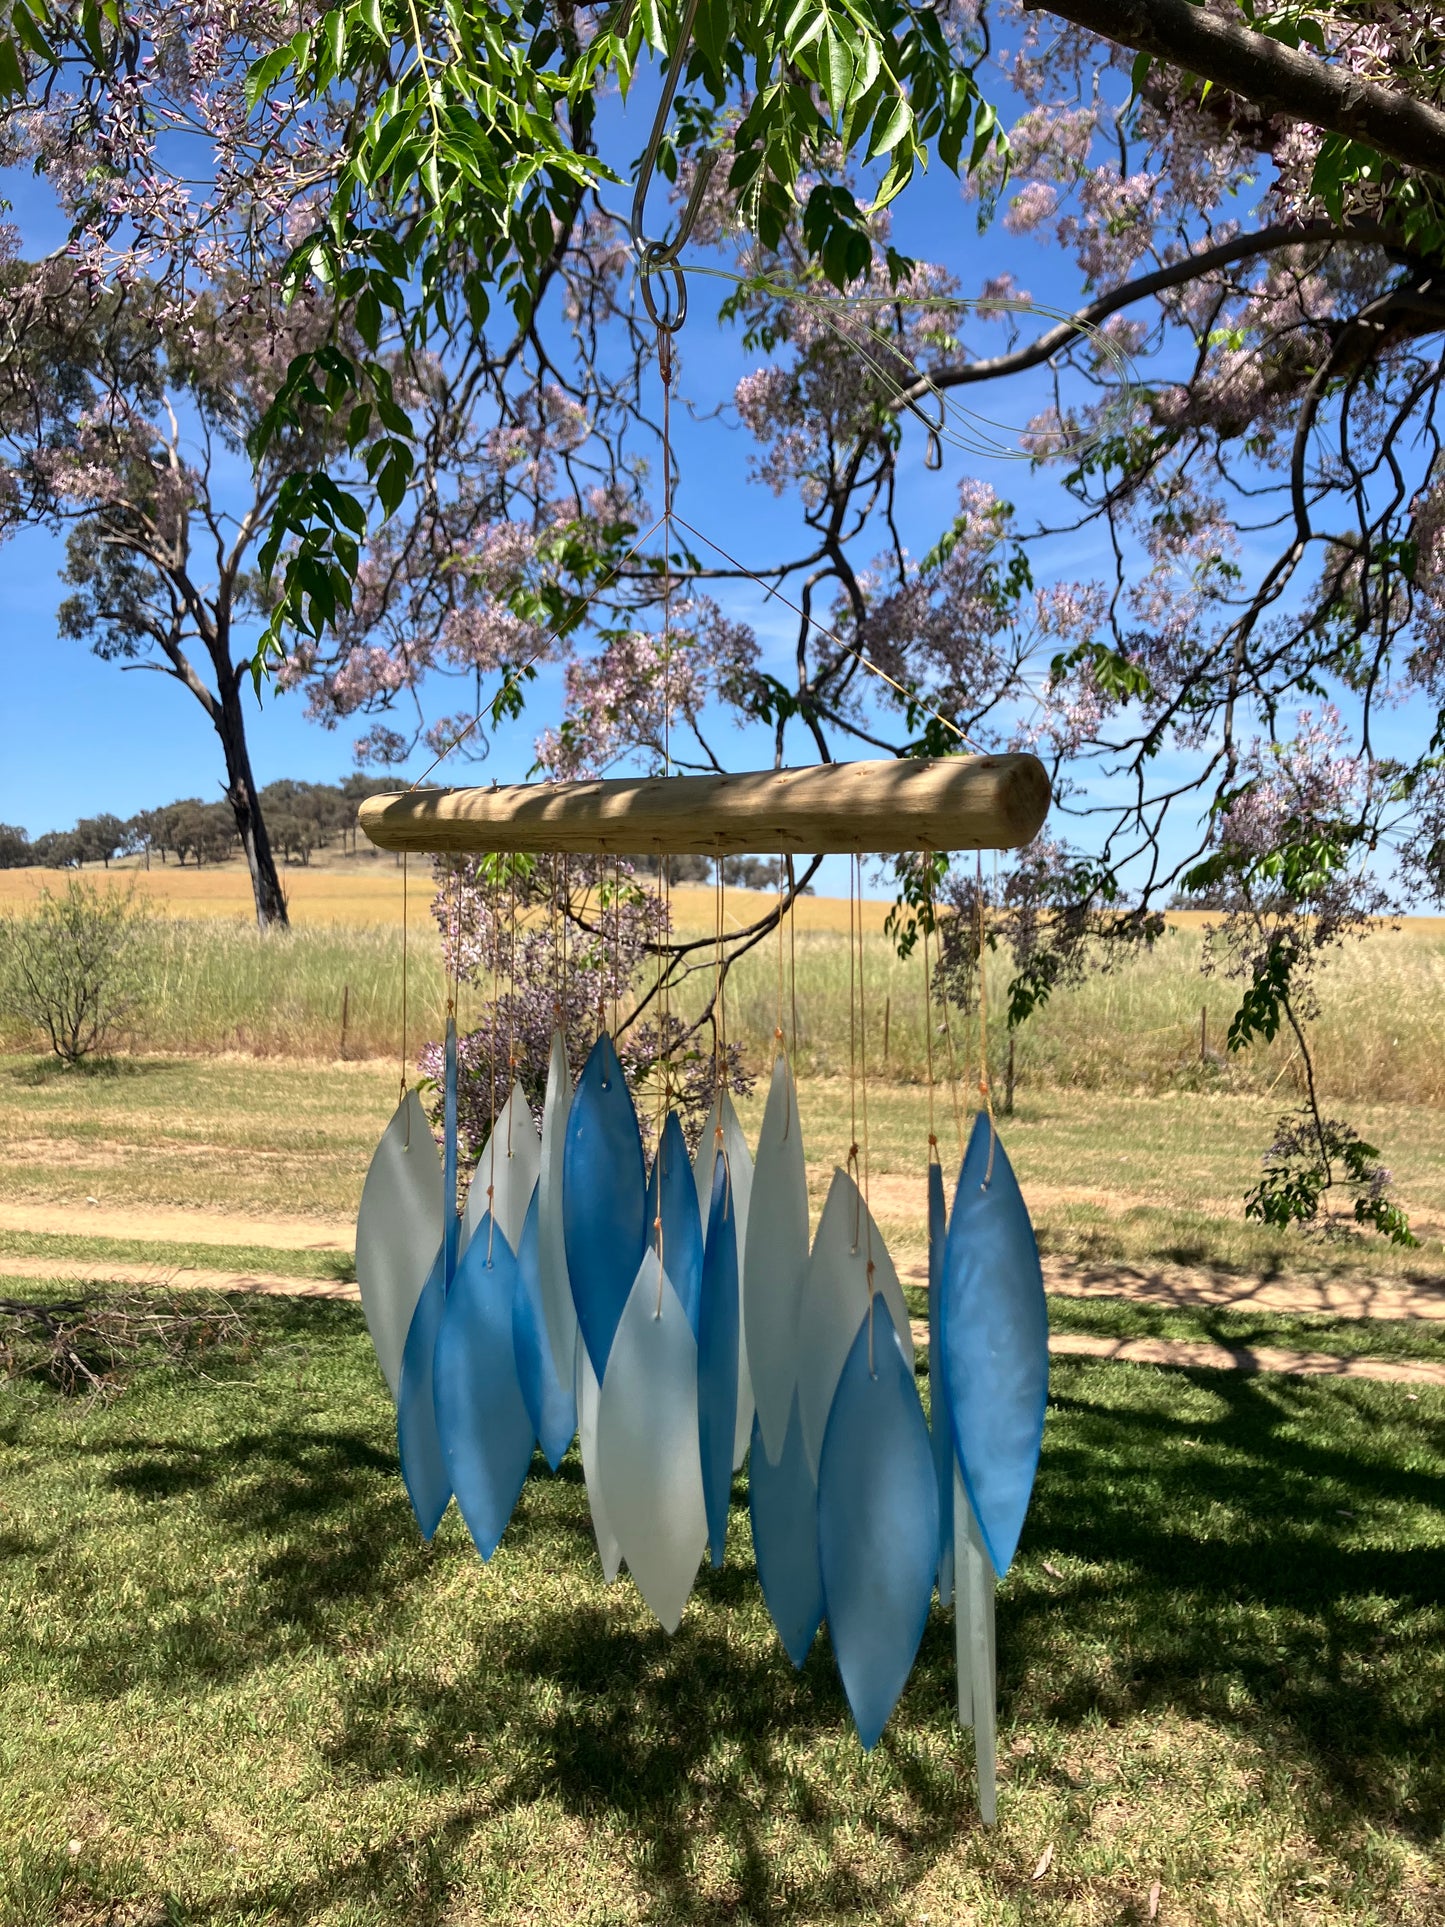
776,1261
679,1317
649,1474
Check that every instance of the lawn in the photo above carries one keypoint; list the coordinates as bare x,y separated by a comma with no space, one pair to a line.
1111,1177
237,1689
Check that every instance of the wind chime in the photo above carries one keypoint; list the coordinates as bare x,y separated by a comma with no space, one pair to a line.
680,1319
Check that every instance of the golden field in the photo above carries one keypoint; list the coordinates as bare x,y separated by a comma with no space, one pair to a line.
367,892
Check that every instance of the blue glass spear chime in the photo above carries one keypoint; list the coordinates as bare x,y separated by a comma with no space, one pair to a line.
676,1317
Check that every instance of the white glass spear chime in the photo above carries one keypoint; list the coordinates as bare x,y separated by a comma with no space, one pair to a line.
677,1321
679,1317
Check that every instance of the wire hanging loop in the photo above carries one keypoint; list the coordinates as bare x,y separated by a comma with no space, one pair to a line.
659,257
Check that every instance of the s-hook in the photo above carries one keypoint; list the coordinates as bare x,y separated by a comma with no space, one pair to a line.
655,256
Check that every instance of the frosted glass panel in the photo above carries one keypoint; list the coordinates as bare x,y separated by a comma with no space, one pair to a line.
604,1195
717,1368
397,1231
783,1503
510,1164
776,1260
608,1549
647,1444
556,1286
877,1523
450,1226
550,1398
996,1344
740,1160
418,1443
486,1434
835,1299
975,1652
672,1193
937,1394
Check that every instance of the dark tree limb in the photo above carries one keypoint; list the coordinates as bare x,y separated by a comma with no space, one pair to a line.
1296,86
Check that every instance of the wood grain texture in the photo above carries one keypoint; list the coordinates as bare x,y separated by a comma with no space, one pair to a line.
948,803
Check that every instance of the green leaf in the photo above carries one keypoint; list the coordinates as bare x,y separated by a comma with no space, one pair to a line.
895,118
12,76
27,31
838,74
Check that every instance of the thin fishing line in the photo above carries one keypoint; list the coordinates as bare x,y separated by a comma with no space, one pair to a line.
514,676
828,634
953,1088
928,1026
984,1090
852,1160
405,975
863,1075
883,356
511,994
793,949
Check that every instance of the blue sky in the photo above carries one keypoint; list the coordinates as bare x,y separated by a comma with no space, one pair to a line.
79,736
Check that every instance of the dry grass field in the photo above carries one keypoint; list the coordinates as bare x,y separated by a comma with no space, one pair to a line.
237,1691
365,892
214,985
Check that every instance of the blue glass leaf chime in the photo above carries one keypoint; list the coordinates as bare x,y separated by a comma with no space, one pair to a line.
677,1320
877,1521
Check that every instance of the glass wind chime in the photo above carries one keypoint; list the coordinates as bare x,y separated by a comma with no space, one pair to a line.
680,1319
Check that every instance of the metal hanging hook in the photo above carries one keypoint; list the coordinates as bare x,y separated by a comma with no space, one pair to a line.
656,256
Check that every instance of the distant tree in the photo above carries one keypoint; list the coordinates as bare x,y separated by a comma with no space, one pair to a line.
15,847
99,838
144,833
56,850
72,968
354,792
205,831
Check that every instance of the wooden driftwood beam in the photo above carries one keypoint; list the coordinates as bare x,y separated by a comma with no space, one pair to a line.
948,803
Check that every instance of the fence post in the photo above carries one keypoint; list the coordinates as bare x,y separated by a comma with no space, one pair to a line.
345,1014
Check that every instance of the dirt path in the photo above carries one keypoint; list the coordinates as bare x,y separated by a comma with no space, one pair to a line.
1188,1354
164,1225
1344,1296
105,1271
1187,1288
1169,1285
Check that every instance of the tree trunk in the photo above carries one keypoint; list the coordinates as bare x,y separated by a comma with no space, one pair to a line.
246,806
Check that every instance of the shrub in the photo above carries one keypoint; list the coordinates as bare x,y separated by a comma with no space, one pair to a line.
72,970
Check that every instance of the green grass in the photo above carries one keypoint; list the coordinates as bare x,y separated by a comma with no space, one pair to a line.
1139,1180
1380,1038
1305,1332
174,1255
237,1689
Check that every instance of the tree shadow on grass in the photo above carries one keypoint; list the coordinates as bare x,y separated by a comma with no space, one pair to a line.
1220,1577
1260,1555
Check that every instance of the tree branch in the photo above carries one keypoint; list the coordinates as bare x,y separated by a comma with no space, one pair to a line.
1178,274
1296,86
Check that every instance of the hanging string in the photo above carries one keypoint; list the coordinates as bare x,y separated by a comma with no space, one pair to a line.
983,1084
717,987
955,1098
852,1159
511,995
863,1075
928,1028
775,593
405,975
793,952
779,1037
